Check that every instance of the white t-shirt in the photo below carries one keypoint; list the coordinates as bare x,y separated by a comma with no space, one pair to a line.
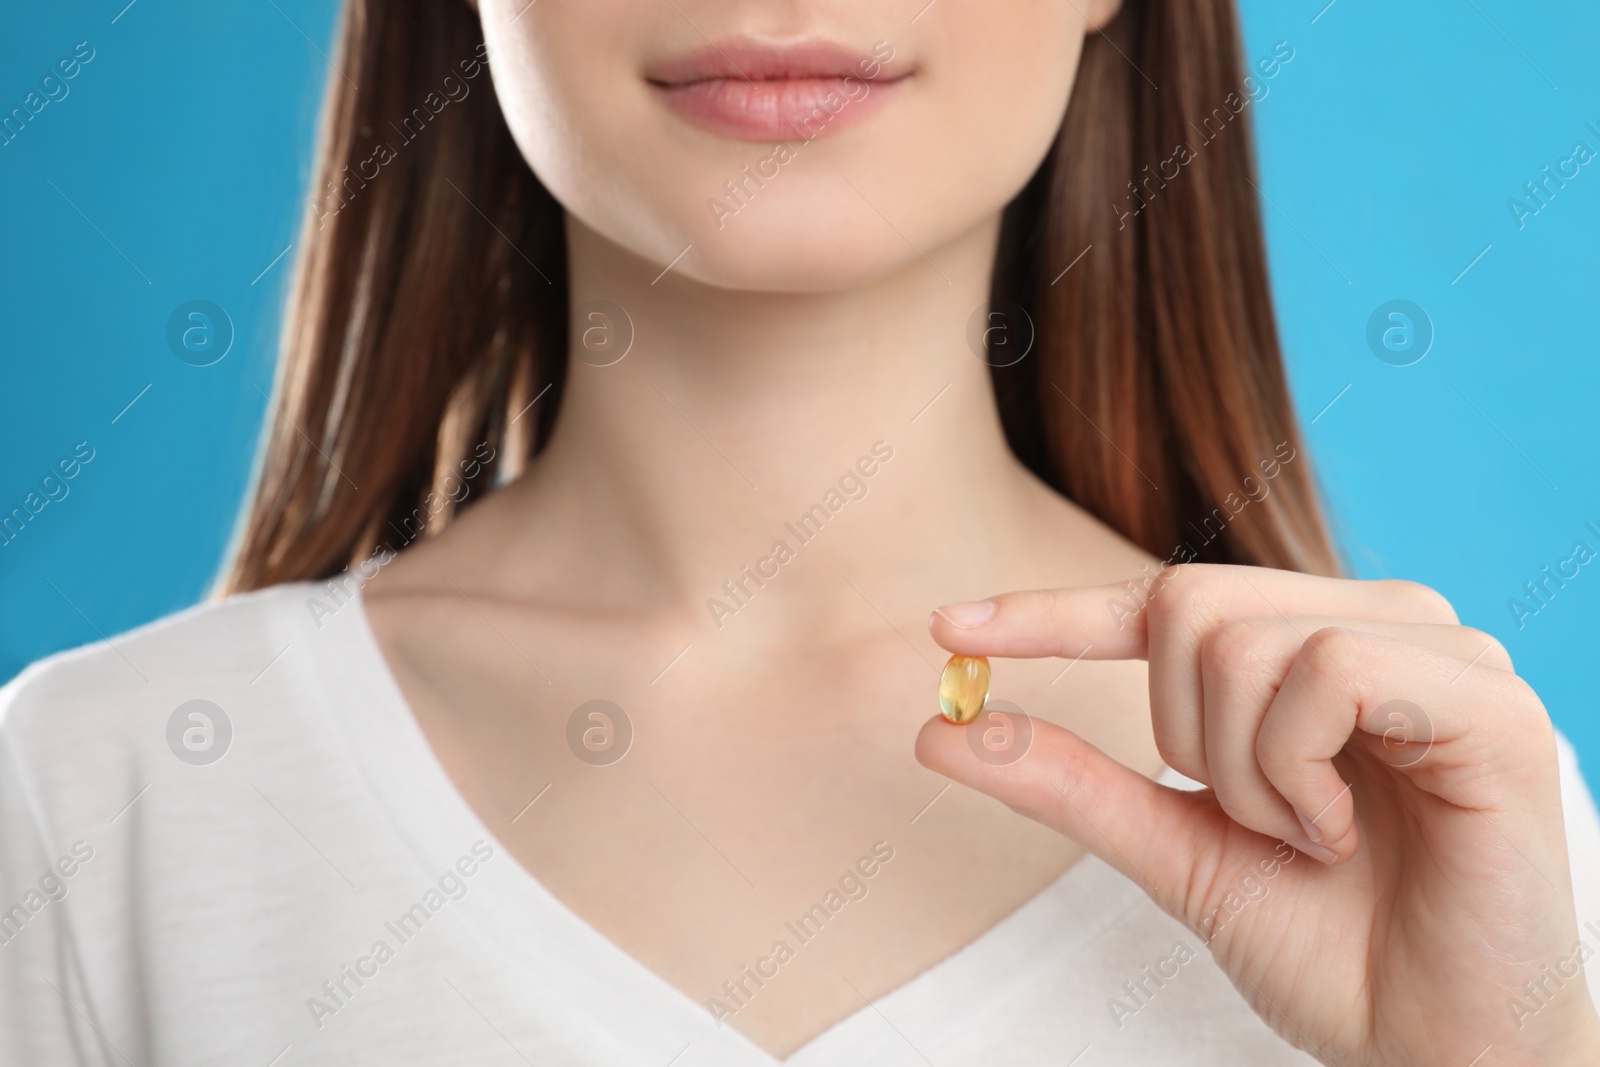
322,894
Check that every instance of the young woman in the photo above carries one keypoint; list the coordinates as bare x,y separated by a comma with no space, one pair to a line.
574,705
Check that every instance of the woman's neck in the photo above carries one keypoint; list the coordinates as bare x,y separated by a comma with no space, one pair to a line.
735,414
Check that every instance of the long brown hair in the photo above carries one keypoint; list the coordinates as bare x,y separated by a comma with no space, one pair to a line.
426,341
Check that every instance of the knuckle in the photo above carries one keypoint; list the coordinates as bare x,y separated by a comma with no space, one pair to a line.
1183,596
1522,707
1045,604
1050,600
1232,648
1054,610
1425,600
1332,652
1493,654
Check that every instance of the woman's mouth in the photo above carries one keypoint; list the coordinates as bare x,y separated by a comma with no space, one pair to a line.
760,91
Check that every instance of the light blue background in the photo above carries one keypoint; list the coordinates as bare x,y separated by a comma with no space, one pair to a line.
1390,146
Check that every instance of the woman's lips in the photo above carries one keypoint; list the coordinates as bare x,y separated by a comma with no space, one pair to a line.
758,91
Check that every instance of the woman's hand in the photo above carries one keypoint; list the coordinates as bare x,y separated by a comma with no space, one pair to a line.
1361,723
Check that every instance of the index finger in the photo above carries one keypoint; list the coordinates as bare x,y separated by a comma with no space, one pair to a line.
1114,621
1091,622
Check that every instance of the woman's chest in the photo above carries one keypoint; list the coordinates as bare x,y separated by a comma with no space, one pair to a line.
755,830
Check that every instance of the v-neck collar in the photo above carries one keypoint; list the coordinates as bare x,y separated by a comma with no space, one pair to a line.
529,924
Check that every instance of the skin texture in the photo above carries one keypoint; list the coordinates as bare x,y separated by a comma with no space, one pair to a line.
773,747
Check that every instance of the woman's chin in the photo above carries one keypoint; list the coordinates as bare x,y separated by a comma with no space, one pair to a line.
782,262
787,243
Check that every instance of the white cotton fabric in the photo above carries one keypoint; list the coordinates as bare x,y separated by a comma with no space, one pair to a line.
207,904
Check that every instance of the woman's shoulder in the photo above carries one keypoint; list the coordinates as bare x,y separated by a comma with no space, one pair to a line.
115,698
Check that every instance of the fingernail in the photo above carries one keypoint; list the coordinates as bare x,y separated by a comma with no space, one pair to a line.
968,615
1312,833
1316,852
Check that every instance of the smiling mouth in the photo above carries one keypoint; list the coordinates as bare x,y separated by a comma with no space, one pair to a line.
760,91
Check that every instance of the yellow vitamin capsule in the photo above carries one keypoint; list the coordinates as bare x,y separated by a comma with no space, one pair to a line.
963,688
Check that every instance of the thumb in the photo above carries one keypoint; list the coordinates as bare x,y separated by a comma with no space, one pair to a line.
1154,835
